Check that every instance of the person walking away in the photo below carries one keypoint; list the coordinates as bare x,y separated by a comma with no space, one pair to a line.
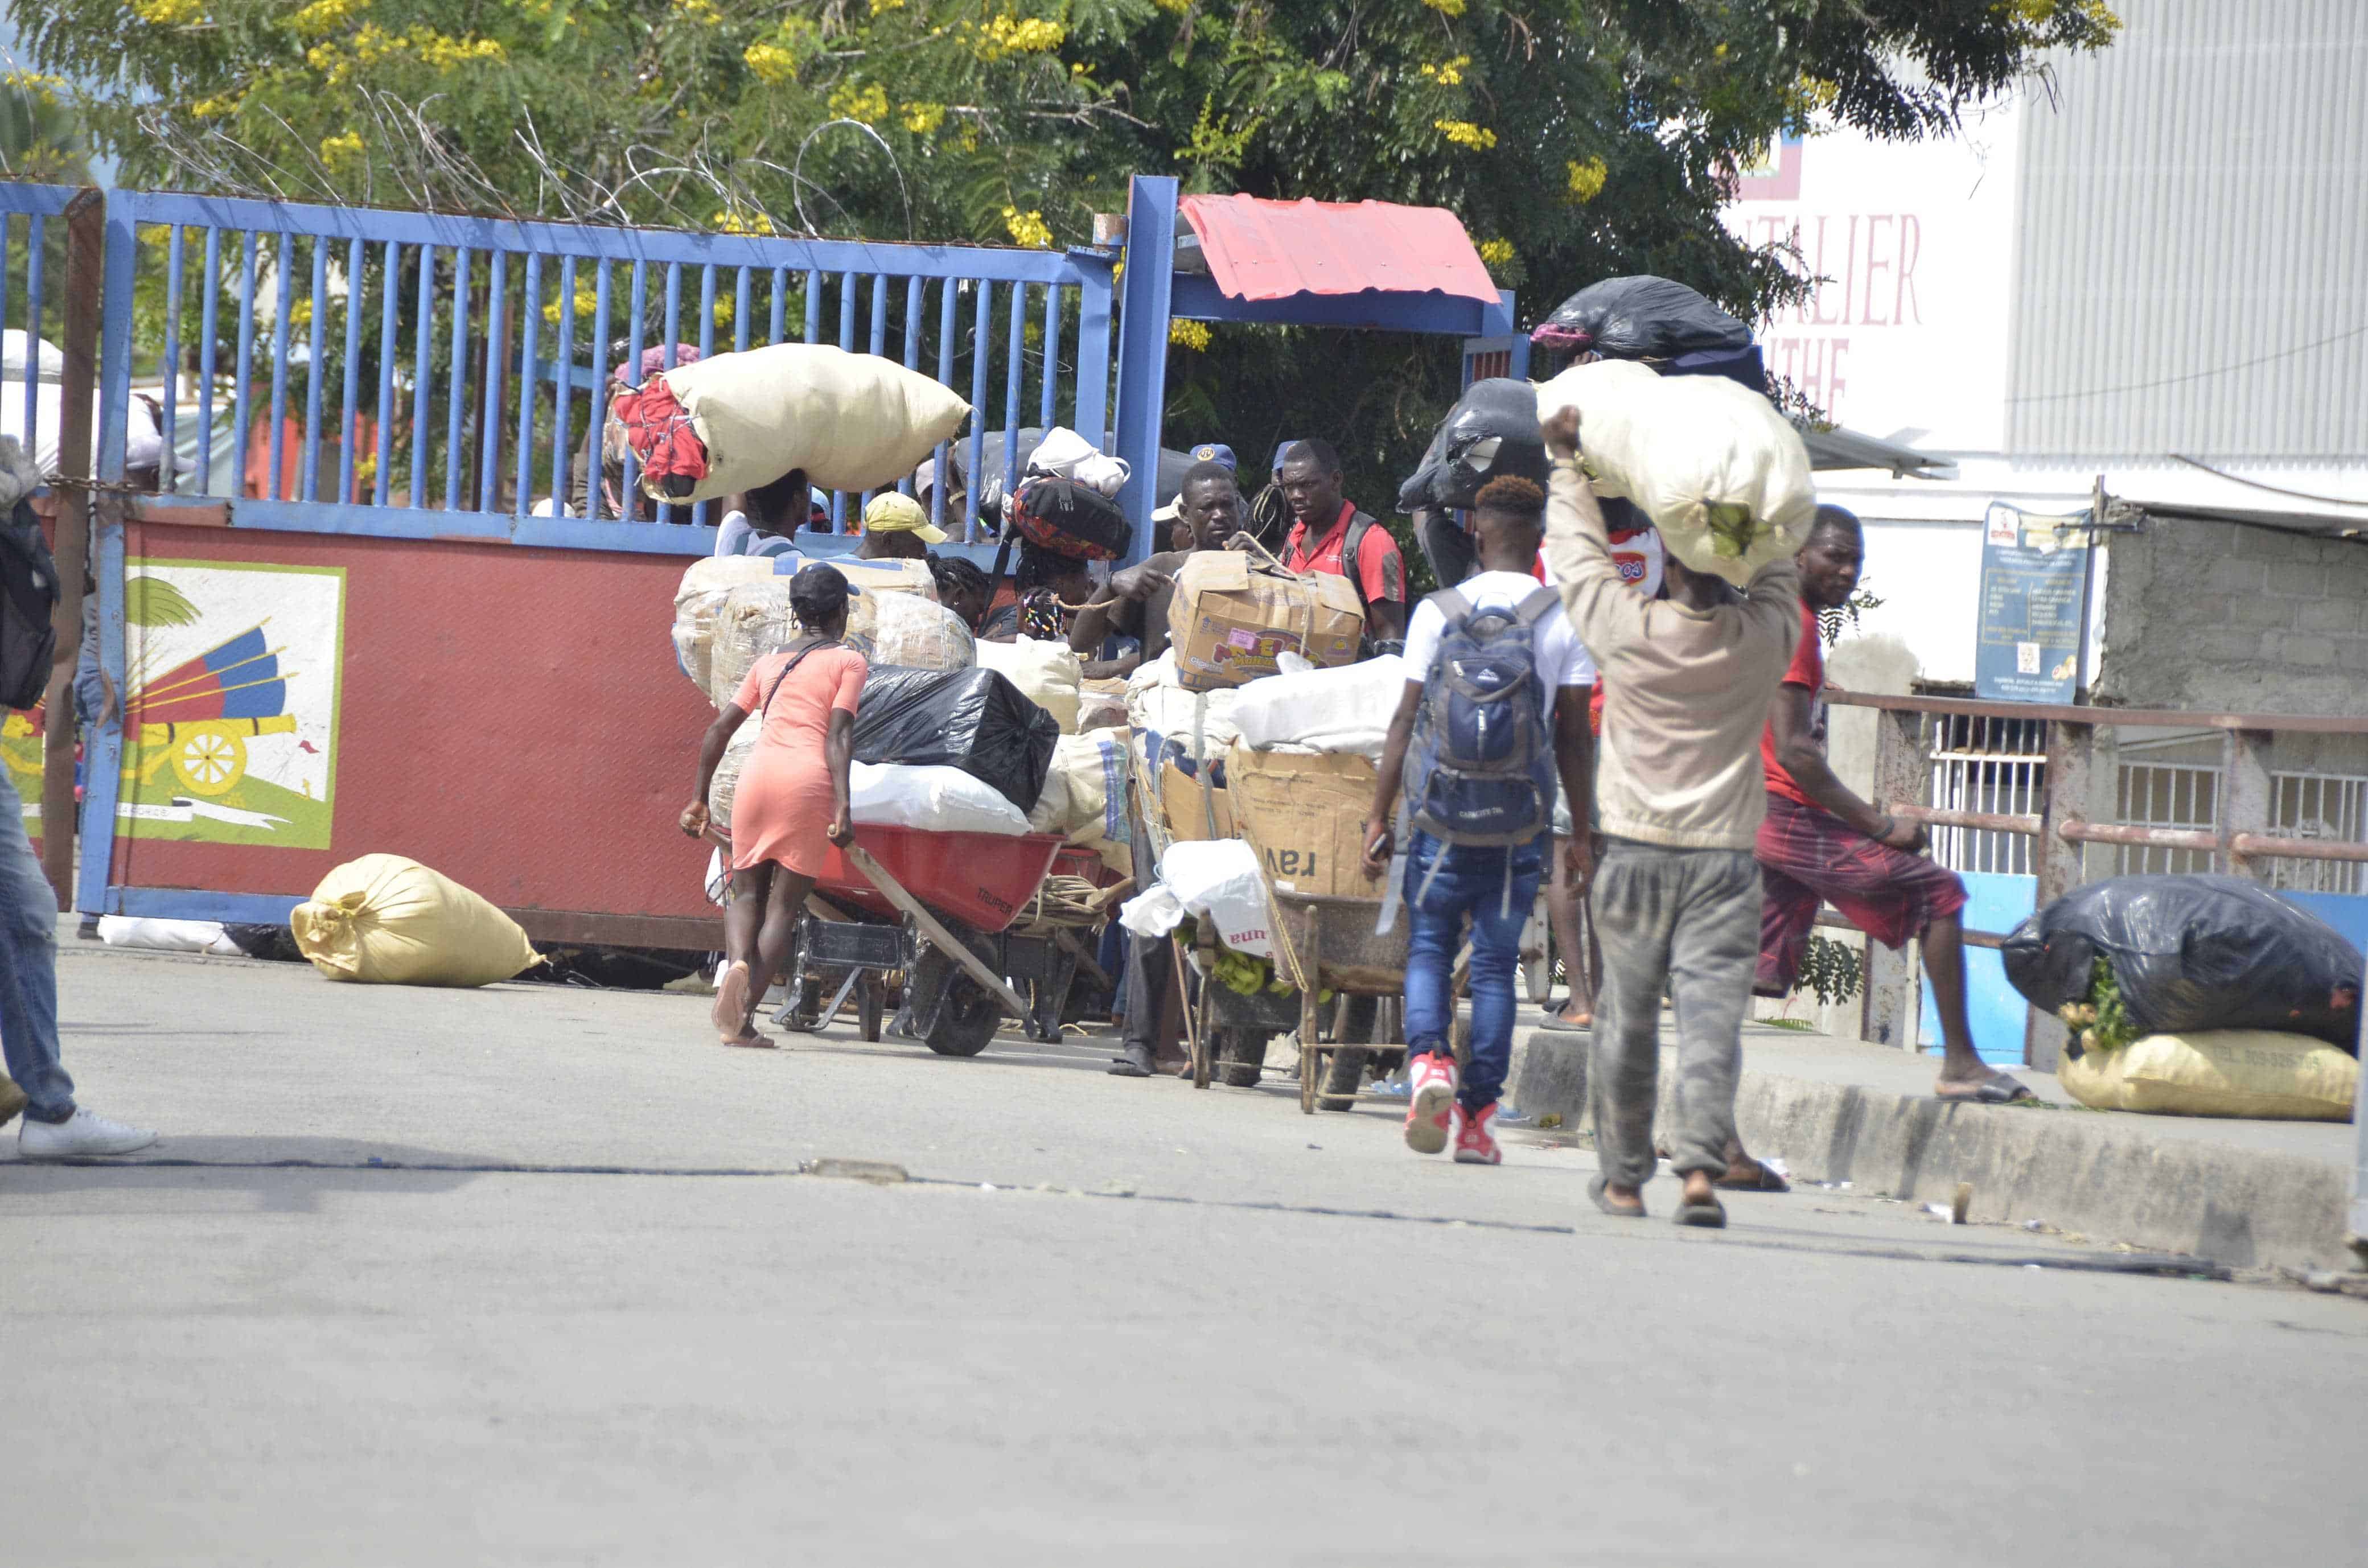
1134,603
1497,716
1329,534
895,529
1678,799
36,1082
791,800
1820,844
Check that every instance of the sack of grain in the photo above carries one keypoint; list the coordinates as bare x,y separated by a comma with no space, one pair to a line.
917,634
385,920
2256,1073
1047,674
851,421
1723,476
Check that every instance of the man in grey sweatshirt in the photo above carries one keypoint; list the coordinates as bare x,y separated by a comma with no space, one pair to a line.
1679,799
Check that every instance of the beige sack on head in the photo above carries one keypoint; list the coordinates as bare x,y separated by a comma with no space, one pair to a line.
385,920
851,421
1724,476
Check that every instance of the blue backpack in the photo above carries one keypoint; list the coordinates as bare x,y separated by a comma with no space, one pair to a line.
1481,768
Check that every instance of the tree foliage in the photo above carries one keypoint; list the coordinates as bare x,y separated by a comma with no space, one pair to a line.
1575,139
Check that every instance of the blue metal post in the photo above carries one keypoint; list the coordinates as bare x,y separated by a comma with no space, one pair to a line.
1145,294
1092,410
599,430
352,404
456,410
103,756
562,365
381,478
316,347
529,340
168,474
283,305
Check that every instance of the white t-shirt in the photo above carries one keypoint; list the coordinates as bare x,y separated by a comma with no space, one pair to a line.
1562,658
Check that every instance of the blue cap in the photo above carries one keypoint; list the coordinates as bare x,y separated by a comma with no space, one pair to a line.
1215,452
1282,447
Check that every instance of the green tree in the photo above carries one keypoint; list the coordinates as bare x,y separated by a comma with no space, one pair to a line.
1576,140
41,132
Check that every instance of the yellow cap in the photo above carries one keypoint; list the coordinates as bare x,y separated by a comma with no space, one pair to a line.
892,511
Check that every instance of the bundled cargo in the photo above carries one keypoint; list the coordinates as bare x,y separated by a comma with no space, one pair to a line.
1723,476
385,920
970,719
1641,317
913,633
1491,433
723,789
737,421
2180,955
1305,814
2256,1073
1231,616
1070,518
940,798
751,621
1346,709
1084,799
1048,673
1173,723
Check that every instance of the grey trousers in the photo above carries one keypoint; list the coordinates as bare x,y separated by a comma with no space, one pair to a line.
1688,919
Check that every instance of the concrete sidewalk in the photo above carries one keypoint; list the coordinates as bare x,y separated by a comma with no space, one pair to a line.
2250,1194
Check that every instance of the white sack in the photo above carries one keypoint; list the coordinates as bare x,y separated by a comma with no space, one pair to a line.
1068,455
1194,724
167,936
851,421
1047,674
1210,879
1346,709
1723,476
945,799
1084,798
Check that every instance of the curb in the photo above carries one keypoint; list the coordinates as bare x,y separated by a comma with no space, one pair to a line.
2093,1174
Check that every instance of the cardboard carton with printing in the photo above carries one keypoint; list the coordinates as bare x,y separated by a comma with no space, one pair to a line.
1232,615
1305,814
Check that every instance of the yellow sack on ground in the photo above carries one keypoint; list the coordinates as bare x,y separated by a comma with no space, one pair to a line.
2247,1072
385,920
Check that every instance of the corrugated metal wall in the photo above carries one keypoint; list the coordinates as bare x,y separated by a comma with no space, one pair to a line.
2192,267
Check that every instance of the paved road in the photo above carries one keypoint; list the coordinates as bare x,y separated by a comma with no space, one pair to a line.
1106,1322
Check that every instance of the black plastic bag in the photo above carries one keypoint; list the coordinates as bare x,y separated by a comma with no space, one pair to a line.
1640,318
1492,431
2192,953
973,719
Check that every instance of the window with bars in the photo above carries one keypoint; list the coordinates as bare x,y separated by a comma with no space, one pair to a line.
1987,765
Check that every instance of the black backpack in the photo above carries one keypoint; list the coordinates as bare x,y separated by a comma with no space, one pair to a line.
28,600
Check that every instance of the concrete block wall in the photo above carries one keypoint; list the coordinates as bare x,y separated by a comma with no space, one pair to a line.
2218,616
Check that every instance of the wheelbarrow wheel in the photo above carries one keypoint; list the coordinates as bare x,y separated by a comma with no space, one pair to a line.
966,1019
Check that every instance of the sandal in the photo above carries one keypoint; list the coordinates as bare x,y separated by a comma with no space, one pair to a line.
1595,1191
1998,1089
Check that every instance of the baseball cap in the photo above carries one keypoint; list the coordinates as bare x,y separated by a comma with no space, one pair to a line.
1281,448
1214,452
893,512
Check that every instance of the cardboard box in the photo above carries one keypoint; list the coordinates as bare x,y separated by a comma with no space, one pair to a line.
1231,616
1187,813
1306,817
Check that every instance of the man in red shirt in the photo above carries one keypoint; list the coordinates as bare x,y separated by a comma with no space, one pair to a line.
1328,534
1820,843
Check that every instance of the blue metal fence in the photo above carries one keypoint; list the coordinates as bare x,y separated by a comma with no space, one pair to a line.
416,375
32,312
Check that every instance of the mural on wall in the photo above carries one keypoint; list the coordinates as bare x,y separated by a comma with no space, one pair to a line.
230,704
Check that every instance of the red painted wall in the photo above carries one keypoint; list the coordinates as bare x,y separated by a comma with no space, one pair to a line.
513,718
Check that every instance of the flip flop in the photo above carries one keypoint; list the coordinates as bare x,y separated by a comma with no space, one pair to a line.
1595,1189
1998,1090
752,1041
730,1013
1762,1179
1560,1025
1708,1216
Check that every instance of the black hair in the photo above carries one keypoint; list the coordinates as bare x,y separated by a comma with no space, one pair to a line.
953,575
769,503
1039,566
818,596
1513,496
1201,471
1317,451
1834,519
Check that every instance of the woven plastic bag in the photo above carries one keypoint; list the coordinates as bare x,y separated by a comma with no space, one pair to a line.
851,421
753,620
1723,476
385,920
2256,1073
915,633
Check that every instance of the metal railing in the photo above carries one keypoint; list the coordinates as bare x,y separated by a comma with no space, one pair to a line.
2056,811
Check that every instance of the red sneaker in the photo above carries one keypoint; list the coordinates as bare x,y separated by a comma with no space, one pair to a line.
1473,1143
1434,1102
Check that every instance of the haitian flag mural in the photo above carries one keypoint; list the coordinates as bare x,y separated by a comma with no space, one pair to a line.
231,707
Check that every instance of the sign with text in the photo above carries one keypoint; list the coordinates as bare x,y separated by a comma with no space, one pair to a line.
2034,588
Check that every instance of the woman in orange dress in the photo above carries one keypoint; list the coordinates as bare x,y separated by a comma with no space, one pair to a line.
792,797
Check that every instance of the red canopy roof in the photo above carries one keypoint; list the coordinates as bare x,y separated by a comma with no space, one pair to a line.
1272,250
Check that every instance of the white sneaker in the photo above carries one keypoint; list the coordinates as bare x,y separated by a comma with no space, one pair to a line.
79,1135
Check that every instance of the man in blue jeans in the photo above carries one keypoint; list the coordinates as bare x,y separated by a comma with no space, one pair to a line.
1493,885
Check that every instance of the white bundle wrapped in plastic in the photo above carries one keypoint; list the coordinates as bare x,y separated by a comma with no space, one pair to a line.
1047,674
1085,790
1346,709
944,800
1190,725
752,621
851,421
725,785
1724,476
916,633
1215,880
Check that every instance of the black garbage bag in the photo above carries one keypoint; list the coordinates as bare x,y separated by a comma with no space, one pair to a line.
1640,318
1492,431
973,719
2192,953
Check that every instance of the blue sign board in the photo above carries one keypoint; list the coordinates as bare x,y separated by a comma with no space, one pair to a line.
2034,599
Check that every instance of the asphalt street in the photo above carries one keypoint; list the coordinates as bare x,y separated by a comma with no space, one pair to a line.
544,1276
